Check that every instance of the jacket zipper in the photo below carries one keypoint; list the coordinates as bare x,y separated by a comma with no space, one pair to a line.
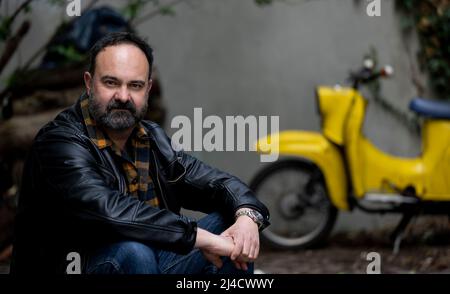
157,180
117,175
174,181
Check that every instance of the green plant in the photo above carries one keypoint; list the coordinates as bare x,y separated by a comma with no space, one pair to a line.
431,18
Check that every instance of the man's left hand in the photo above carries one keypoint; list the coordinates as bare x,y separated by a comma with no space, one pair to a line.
246,241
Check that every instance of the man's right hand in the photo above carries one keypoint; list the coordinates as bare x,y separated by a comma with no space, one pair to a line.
214,246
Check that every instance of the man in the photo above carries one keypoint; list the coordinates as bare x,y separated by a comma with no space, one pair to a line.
103,183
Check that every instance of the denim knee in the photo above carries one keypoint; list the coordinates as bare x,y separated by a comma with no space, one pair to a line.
127,257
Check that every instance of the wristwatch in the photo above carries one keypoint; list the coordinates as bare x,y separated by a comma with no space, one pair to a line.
253,214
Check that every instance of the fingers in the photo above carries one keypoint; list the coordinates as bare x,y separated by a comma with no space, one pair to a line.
251,254
254,251
237,264
246,249
217,261
240,265
249,249
244,266
238,245
228,245
214,259
245,236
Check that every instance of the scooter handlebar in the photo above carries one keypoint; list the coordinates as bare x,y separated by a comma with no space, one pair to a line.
387,71
367,73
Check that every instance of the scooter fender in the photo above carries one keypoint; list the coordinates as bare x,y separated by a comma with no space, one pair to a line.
315,148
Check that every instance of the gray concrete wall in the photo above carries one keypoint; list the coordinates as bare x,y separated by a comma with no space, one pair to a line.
235,58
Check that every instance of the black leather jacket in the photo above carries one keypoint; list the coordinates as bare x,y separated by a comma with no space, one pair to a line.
73,197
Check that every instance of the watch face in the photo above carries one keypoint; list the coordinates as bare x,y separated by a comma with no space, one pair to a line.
257,217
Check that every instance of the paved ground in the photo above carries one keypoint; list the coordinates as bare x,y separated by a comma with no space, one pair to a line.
347,258
425,249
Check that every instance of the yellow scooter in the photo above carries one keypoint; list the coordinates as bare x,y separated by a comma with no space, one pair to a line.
340,169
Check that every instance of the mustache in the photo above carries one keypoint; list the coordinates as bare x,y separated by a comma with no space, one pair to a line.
119,105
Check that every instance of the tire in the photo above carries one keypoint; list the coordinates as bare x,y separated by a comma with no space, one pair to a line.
294,191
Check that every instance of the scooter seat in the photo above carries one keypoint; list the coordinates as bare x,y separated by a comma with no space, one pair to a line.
430,108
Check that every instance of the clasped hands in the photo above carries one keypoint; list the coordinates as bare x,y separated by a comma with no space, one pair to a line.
240,242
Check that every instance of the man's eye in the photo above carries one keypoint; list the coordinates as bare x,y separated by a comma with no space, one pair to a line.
110,83
136,86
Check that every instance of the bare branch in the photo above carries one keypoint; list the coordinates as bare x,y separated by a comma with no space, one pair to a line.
19,9
12,44
44,46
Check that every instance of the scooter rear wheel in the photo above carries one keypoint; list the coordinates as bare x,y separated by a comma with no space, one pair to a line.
302,215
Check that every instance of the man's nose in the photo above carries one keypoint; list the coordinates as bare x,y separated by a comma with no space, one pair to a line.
122,94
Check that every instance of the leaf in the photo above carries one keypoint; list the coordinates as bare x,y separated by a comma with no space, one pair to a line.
131,10
27,9
167,10
14,78
433,27
69,52
263,2
58,2
5,27
406,22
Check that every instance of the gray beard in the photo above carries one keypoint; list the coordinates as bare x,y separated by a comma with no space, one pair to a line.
117,120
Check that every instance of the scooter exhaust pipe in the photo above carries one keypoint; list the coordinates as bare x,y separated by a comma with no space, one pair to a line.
390,198
377,202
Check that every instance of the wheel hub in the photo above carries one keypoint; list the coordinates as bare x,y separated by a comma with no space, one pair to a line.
290,207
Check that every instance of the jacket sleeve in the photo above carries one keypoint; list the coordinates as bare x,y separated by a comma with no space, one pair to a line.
217,190
72,174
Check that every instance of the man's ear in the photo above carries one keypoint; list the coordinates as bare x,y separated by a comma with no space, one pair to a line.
150,83
87,82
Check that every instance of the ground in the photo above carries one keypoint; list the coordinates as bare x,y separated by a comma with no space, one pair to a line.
425,249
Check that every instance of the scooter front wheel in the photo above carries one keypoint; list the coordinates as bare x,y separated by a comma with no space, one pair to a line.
302,215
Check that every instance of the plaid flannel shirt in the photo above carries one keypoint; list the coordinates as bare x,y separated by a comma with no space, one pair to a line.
135,164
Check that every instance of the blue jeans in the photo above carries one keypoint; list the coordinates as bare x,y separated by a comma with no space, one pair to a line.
131,257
